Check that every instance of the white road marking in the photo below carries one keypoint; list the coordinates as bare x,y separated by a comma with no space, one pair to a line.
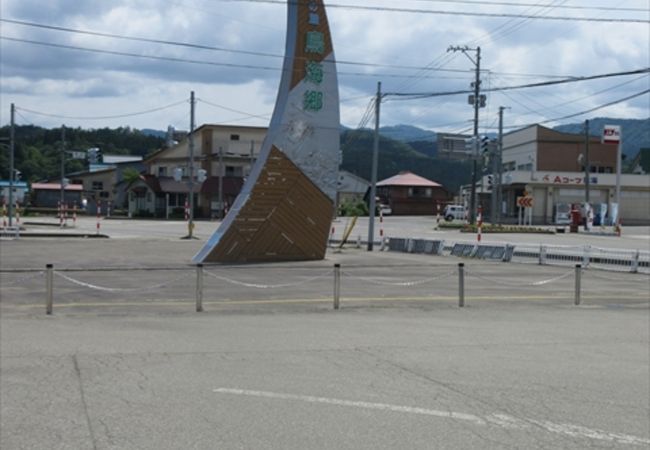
500,420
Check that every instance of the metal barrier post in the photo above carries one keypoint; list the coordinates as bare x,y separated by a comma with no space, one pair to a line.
337,285
578,283
49,288
461,285
542,255
635,262
199,288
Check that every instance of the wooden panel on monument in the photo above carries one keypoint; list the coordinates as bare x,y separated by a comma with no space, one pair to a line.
286,206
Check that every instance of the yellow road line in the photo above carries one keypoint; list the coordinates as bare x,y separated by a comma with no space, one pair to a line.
327,300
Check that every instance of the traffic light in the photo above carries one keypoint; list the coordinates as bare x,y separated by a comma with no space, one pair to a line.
94,155
490,182
470,145
485,144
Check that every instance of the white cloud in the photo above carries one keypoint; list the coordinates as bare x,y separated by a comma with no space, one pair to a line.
51,80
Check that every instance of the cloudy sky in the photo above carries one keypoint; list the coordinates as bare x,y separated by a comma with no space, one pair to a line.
70,76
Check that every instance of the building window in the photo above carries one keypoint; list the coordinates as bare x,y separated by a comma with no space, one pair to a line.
233,171
98,186
234,137
162,171
104,194
420,192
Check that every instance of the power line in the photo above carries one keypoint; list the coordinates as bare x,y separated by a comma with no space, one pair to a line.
200,62
522,5
199,46
247,52
456,13
118,116
405,96
570,102
248,115
135,55
581,113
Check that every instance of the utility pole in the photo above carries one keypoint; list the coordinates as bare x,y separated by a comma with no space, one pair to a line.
499,176
478,102
252,157
12,148
587,162
190,183
619,160
221,172
62,195
373,182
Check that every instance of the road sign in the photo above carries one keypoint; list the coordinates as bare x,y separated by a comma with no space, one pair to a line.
77,155
525,202
611,134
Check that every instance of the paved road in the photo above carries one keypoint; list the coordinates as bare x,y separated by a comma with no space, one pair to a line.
125,364
395,226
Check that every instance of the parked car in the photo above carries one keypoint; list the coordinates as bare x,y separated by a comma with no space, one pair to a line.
454,212
385,210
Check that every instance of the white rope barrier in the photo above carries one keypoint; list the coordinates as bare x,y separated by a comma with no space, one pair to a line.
23,279
268,286
533,284
634,278
107,289
403,284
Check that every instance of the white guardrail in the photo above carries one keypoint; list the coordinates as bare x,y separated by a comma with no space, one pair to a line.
622,260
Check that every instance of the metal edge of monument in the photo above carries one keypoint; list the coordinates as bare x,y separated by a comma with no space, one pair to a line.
286,206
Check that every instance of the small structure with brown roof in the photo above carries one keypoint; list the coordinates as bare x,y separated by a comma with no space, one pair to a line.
409,194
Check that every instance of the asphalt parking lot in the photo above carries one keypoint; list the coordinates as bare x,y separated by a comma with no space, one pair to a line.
125,361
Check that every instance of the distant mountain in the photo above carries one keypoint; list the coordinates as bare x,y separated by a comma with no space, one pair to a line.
396,156
427,148
636,132
154,133
407,133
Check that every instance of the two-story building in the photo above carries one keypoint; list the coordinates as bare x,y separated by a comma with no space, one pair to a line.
225,152
550,166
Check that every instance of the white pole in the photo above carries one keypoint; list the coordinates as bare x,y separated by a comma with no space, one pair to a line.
619,157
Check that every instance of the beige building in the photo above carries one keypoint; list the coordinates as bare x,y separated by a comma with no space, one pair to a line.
550,166
226,153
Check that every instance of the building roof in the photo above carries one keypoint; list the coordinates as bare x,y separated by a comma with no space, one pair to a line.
231,185
17,184
119,159
408,179
351,183
56,187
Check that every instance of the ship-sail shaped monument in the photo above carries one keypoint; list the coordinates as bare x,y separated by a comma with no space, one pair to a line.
286,206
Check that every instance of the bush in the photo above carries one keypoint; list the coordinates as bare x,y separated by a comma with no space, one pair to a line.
488,228
353,209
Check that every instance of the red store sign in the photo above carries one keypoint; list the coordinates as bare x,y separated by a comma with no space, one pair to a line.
568,180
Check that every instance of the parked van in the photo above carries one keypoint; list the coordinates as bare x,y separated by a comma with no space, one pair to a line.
454,212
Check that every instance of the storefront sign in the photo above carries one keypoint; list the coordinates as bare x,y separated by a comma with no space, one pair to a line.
576,180
611,134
